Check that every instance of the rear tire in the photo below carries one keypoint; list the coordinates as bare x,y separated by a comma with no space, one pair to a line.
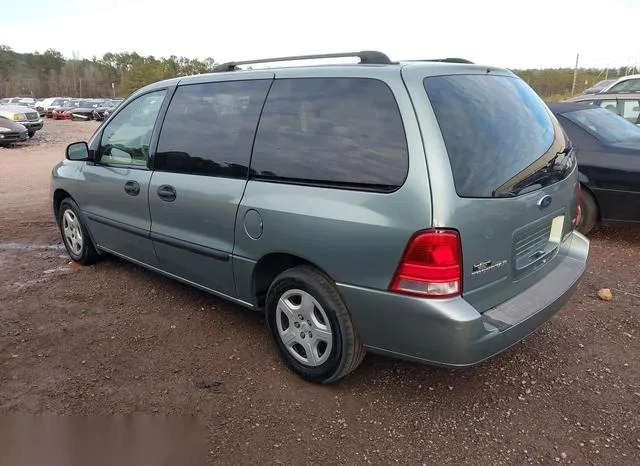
589,213
311,326
75,234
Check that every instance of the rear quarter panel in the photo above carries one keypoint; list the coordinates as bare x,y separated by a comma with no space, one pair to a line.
355,237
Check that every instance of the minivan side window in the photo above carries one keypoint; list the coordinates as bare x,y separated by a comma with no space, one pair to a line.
343,132
631,110
126,138
209,128
611,105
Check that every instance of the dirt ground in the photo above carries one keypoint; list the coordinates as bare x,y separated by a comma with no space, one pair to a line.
117,339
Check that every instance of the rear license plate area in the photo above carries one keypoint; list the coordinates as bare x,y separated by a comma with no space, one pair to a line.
536,243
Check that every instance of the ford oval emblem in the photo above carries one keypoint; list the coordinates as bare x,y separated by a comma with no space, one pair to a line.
544,202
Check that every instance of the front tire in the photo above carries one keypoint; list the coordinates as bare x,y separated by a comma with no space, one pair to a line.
31,134
75,234
311,326
589,213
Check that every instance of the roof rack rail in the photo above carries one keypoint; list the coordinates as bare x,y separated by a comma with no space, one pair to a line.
366,57
449,60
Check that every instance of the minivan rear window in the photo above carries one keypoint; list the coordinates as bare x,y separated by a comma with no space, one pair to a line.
493,128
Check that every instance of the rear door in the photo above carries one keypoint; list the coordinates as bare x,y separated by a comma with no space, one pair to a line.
201,169
499,173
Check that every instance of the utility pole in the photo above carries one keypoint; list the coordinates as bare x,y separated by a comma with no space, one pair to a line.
575,75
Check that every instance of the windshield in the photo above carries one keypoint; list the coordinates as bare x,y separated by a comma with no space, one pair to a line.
605,125
494,128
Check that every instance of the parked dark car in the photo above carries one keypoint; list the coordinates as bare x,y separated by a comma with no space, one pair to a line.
11,132
103,112
626,105
83,111
608,152
107,112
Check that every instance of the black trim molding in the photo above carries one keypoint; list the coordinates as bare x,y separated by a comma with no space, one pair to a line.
191,247
160,238
120,226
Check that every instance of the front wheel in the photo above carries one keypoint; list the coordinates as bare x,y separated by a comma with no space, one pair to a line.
589,210
75,235
31,134
311,326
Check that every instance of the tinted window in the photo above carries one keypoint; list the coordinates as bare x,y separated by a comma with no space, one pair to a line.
209,128
611,105
630,85
605,126
125,140
344,131
631,110
493,127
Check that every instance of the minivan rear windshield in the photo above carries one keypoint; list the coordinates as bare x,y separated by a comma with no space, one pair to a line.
494,127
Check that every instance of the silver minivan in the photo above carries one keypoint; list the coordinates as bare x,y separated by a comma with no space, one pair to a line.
422,209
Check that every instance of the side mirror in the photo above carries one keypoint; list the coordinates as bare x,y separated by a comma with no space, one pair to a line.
78,151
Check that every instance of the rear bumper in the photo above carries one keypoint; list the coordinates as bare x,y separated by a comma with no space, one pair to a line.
451,332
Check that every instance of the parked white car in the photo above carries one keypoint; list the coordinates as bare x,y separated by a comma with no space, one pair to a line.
26,101
26,116
630,83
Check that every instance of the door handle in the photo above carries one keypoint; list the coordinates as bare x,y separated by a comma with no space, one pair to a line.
167,193
132,188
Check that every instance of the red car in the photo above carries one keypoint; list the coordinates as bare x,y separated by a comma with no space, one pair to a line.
58,113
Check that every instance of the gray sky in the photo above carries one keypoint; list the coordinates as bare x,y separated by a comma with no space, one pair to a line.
510,33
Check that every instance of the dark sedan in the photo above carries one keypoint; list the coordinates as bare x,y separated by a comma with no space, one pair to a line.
103,112
608,153
11,132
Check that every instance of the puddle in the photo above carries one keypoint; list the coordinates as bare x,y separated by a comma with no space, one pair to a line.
29,247
61,269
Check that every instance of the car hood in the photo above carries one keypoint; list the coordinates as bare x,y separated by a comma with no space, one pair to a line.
631,144
4,123
16,108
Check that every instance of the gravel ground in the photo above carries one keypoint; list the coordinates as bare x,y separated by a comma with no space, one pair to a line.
117,339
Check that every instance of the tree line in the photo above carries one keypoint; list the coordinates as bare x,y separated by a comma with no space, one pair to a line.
114,75
118,74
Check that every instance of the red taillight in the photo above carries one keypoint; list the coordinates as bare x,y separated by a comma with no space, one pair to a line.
578,215
431,265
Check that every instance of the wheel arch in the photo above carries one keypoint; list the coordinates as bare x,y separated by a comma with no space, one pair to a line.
59,195
269,267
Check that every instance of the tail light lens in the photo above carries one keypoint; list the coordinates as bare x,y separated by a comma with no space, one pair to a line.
578,215
431,265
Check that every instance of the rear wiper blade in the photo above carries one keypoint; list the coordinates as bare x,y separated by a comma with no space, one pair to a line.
541,174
